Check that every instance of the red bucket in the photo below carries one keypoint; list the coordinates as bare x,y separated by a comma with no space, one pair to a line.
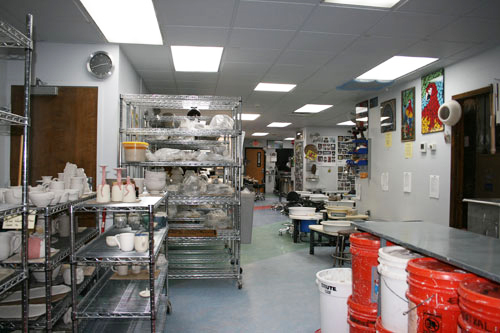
379,328
364,251
361,318
479,302
432,292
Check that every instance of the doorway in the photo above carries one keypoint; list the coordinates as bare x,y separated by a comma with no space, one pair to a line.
255,165
475,154
63,129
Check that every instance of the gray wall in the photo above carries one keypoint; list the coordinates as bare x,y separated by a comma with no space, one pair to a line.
473,73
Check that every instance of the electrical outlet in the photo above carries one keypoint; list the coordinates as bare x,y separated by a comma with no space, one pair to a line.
432,146
423,147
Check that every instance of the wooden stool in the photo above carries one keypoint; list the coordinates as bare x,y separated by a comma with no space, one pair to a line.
342,238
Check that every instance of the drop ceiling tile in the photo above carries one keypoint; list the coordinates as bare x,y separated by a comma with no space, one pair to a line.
57,31
333,19
263,56
469,29
489,9
435,49
196,85
209,13
196,91
293,74
195,36
194,76
445,7
243,67
301,57
271,15
410,24
381,45
321,42
148,57
260,38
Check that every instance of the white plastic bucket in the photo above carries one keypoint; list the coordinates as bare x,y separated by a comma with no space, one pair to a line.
393,286
335,286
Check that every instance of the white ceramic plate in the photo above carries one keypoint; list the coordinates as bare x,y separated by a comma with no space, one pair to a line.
14,311
37,293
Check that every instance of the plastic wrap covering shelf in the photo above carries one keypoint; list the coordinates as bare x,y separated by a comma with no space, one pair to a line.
120,298
184,164
180,132
7,118
185,144
176,101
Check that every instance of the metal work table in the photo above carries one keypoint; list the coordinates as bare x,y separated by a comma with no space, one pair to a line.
472,252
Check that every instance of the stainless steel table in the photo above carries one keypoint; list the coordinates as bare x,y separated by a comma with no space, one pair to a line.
475,253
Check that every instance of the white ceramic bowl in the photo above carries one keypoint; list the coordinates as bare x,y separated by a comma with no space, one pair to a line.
334,226
40,275
155,185
57,197
302,211
42,199
156,175
111,241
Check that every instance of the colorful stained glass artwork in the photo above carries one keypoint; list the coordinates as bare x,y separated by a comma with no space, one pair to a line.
432,98
408,115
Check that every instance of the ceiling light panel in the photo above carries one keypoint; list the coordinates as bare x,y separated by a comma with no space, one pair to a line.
196,58
259,134
279,87
396,67
125,21
347,123
249,116
313,108
278,124
366,3
289,139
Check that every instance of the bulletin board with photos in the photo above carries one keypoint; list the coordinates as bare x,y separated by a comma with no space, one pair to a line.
345,179
326,150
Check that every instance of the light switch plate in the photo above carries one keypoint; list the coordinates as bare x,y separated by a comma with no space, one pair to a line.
423,147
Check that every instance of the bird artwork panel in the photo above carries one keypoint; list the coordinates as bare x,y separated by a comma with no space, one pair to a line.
408,114
432,98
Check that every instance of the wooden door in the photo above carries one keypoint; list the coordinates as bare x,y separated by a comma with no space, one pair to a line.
63,129
255,164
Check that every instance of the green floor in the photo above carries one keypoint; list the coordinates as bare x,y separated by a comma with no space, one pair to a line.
267,243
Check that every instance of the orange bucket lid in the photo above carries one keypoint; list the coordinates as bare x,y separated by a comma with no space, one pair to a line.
433,268
481,291
365,239
136,144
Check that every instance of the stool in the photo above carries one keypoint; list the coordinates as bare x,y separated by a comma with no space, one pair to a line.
342,239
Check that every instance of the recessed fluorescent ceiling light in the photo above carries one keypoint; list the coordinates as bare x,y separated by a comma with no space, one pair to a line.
361,109
395,67
289,139
196,58
347,123
260,134
313,108
125,21
278,124
362,119
249,116
281,87
366,3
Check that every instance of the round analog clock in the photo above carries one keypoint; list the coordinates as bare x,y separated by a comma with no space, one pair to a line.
100,65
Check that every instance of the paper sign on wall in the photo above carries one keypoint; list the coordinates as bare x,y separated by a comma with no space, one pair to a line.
434,186
388,140
407,182
408,149
384,181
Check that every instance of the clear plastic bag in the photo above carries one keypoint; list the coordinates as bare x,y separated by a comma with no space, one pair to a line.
194,185
221,121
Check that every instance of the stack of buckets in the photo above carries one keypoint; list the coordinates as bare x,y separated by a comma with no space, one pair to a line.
362,312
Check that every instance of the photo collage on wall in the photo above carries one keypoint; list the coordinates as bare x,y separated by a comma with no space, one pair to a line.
326,150
344,148
345,179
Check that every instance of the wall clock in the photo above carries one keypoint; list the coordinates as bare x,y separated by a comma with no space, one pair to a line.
100,64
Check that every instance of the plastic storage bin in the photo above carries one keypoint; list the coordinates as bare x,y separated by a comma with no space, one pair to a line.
135,151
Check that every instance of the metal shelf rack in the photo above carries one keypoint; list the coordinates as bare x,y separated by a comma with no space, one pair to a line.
139,121
13,38
110,298
8,118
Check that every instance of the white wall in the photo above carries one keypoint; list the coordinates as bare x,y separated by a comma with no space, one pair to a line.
65,65
473,73
327,174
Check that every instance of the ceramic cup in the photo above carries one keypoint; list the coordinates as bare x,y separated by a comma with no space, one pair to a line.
103,193
64,195
111,241
117,192
136,269
129,193
73,194
36,248
120,269
10,243
14,196
139,183
67,276
141,243
56,184
125,241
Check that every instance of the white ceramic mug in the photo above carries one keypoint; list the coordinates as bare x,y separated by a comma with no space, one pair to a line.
56,184
139,183
10,243
120,269
136,269
141,242
125,241
73,194
63,225
67,276
111,241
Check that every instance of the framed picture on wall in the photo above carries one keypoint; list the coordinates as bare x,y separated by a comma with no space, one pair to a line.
408,114
432,96
388,116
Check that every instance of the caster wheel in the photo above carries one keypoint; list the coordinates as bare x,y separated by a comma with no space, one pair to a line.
240,285
169,308
241,270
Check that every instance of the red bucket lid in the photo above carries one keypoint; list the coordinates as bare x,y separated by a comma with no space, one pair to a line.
480,291
365,309
433,268
364,239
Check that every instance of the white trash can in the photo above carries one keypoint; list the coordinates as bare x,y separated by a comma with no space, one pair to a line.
247,203
393,286
335,286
